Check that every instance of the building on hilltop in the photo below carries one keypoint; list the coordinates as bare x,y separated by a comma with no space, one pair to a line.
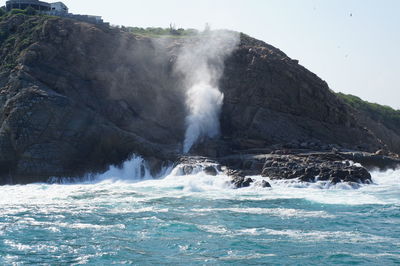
24,4
53,9
59,7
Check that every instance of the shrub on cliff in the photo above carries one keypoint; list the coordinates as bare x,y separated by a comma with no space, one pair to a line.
17,11
165,32
30,11
14,39
381,113
2,12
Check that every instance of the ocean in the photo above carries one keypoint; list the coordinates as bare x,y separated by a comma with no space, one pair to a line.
121,218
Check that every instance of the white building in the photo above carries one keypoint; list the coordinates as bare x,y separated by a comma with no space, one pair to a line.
59,7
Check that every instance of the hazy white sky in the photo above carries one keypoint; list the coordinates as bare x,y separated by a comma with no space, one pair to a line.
352,44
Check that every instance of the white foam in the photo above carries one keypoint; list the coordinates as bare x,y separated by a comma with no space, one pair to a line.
374,255
280,212
384,191
134,184
389,177
213,229
233,255
33,222
317,236
139,210
28,248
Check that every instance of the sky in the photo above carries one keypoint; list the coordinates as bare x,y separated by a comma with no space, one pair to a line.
354,45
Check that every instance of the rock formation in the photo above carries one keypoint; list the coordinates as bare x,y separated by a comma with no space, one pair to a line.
76,98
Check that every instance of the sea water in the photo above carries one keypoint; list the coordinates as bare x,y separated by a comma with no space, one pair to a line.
127,217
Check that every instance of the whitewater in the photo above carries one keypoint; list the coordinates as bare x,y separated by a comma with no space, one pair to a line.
126,216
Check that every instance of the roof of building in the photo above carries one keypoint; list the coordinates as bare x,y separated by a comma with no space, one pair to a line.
24,1
37,2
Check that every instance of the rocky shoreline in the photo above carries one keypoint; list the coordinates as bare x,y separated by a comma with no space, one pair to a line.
333,167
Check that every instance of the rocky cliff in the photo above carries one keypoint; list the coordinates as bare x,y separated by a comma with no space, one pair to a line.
77,97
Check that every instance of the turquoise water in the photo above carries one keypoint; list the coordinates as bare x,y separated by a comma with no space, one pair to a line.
199,219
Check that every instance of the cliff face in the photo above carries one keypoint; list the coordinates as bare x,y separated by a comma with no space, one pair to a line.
81,97
272,98
75,98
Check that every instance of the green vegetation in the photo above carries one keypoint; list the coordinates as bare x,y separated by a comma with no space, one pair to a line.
15,39
17,11
30,11
161,32
380,113
2,12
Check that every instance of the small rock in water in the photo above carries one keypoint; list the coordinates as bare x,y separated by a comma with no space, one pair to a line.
210,170
265,184
247,182
241,181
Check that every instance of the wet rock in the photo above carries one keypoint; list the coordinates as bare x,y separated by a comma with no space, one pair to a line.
265,184
371,161
247,181
210,170
313,167
241,181
340,174
312,171
360,173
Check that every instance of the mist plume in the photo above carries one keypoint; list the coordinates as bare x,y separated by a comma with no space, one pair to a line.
201,62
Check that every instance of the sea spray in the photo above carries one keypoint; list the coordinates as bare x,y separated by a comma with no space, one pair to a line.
201,62
204,103
133,169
